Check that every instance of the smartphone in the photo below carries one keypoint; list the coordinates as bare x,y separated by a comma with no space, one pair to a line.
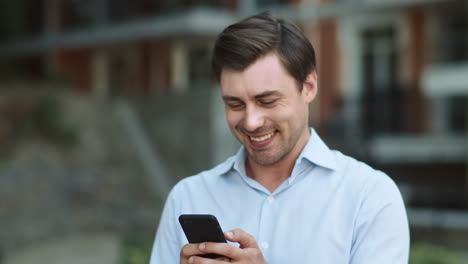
200,228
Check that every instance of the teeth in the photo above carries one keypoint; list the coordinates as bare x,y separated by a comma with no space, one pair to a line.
258,139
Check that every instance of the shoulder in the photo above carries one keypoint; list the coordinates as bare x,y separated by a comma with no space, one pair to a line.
366,181
203,179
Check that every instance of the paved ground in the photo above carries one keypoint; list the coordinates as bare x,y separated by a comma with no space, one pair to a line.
96,249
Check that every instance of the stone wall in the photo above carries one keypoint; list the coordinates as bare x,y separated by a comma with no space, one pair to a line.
97,185
189,129
49,191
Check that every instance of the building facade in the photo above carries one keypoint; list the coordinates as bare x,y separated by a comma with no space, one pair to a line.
392,74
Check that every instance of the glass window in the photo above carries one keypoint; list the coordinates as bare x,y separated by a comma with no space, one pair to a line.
199,66
450,36
458,108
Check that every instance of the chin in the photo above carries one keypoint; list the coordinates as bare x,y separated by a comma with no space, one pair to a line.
265,159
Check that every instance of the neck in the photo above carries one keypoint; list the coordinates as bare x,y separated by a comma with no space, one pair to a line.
271,176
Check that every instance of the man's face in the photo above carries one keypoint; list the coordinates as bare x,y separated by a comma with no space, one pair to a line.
266,111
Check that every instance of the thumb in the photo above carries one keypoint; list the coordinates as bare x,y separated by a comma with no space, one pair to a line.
244,239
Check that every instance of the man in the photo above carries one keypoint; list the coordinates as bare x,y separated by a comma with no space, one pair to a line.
285,196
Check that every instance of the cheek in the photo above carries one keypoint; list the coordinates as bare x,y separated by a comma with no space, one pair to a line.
282,114
233,118
288,116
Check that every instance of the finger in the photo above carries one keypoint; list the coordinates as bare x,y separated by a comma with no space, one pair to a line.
225,259
189,250
244,239
223,249
201,260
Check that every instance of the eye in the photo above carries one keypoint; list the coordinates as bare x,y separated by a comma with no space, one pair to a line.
235,105
268,102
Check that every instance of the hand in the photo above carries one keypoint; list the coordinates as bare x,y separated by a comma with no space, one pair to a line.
248,251
193,249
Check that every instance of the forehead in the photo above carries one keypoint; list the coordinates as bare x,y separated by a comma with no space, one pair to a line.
266,73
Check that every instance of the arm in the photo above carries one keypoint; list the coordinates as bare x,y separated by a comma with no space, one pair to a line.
248,251
166,245
381,232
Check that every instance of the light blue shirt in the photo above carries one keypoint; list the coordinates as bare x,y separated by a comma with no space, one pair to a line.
331,210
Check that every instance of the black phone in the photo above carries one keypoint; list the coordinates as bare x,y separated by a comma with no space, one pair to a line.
200,228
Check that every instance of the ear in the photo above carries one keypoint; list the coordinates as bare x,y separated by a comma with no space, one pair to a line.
309,87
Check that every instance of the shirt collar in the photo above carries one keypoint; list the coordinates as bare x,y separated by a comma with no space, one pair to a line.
315,151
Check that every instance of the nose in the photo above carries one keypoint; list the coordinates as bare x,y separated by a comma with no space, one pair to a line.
253,119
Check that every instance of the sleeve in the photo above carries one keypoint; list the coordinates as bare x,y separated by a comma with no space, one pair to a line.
381,232
166,247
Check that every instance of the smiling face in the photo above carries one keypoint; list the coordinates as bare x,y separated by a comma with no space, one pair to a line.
266,111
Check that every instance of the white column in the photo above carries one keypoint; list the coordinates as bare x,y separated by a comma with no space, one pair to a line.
101,74
180,71
351,81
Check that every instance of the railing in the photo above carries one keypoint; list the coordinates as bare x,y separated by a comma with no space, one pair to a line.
81,16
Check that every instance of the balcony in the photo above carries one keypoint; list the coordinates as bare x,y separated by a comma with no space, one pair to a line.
447,79
202,21
419,149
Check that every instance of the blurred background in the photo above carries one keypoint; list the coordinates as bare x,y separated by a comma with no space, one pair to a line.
105,105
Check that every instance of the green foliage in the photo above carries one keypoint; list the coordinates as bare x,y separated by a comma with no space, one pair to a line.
137,250
47,120
424,253
39,117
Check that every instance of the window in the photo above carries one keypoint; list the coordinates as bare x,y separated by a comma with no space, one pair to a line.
457,113
78,14
381,100
199,66
451,32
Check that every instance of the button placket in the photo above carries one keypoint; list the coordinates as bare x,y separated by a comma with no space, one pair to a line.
267,224
270,199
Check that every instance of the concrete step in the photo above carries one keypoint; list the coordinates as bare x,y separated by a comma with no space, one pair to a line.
81,249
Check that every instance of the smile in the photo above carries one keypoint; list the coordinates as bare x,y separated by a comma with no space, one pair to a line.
262,138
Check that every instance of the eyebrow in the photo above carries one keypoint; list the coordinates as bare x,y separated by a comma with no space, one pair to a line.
258,96
267,93
227,98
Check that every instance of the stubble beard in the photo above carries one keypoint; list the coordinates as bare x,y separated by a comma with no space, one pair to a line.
264,158
268,157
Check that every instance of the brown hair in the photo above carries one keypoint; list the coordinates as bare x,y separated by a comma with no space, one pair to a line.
242,43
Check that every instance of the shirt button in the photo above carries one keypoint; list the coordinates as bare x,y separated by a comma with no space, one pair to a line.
270,199
265,245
